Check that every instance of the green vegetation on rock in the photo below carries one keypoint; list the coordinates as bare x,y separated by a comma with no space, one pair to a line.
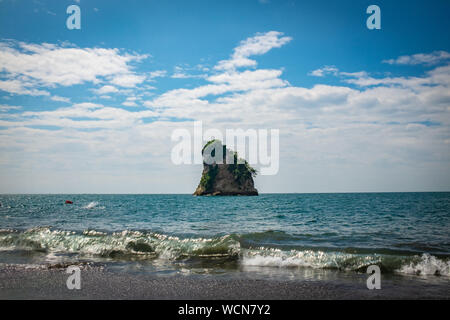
225,178
240,171
208,178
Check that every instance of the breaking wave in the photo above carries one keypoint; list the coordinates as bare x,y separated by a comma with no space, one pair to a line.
424,264
134,245
117,244
92,205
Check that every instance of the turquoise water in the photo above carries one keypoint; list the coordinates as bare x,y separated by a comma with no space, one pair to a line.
404,233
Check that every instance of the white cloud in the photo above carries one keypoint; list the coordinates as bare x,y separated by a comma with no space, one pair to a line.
389,131
257,45
93,115
4,108
180,73
227,82
130,102
21,87
157,74
387,126
26,67
60,99
324,71
106,89
421,58
127,80
436,76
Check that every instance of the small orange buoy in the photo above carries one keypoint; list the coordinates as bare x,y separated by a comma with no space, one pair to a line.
69,202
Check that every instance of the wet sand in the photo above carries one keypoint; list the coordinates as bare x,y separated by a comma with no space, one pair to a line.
101,284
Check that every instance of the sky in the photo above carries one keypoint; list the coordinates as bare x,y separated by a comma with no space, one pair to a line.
93,110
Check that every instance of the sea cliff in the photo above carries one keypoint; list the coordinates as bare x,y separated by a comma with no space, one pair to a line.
224,173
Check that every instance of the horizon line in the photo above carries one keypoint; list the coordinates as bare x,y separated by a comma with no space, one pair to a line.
261,193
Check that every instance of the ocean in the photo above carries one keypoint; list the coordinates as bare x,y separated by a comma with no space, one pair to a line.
289,236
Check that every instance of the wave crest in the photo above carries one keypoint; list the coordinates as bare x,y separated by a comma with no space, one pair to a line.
427,264
92,205
134,243
149,245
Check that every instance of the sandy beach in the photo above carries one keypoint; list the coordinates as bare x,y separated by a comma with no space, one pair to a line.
100,284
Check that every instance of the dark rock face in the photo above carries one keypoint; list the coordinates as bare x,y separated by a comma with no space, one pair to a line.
225,179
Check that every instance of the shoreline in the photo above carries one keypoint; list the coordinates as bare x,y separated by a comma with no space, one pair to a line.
97,284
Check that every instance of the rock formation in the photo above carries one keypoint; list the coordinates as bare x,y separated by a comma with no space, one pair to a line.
228,177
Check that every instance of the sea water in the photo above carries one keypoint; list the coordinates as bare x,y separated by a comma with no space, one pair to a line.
271,234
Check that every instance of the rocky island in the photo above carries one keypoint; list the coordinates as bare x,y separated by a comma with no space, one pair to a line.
228,177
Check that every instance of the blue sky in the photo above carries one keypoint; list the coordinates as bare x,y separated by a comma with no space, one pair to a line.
92,110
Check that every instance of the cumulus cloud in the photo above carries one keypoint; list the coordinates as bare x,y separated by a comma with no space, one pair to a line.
184,73
436,76
421,58
60,99
257,45
226,83
227,79
130,102
324,71
21,87
26,67
81,116
105,90
127,80
157,74
4,108
391,130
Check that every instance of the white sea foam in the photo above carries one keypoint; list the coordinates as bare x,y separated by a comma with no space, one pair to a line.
91,205
267,257
149,245
135,243
427,265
